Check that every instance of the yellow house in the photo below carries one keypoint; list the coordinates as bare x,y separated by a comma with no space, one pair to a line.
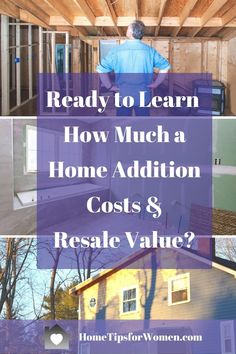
131,291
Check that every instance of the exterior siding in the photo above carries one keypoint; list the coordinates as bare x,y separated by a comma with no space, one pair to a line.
212,295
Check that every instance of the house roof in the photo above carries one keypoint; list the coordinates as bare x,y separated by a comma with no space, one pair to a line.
225,266
106,273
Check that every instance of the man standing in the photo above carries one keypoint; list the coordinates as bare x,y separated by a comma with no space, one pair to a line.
133,57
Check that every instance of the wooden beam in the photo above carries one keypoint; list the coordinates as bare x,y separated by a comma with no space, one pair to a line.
211,31
9,9
160,15
74,32
215,6
41,53
106,21
30,62
26,16
212,10
113,16
68,17
76,53
161,38
136,9
86,10
229,35
184,15
227,18
33,9
62,9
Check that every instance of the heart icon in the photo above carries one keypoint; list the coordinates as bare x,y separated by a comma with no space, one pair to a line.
56,339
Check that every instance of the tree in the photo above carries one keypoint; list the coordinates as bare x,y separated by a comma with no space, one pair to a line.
14,254
65,305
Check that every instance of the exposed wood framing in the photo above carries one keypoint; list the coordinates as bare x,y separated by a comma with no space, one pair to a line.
85,18
53,53
215,6
67,50
161,38
27,17
62,9
76,54
230,35
184,15
160,15
86,9
41,50
30,67
9,9
18,66
112,15
136,6
32,9
227,18
68,17
95,58
74,32
106,21
5,85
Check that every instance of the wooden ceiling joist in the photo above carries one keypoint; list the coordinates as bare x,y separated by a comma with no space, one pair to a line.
9,9
106,21
185,13
32,9
112,14
215,6
68,17
74,32
227,18
27,17
86,18
136,6
162,38
229,35
86,10
62,9
160,15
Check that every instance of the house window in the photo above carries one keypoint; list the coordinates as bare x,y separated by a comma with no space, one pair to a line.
105,47
227,337
32,151
129,300
179,289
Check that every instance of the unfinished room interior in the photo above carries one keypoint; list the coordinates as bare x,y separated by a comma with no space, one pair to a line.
55,36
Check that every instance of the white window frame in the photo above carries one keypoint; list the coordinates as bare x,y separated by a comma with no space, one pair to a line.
232,337
58,138
122,294
176,277
35,128
27,128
